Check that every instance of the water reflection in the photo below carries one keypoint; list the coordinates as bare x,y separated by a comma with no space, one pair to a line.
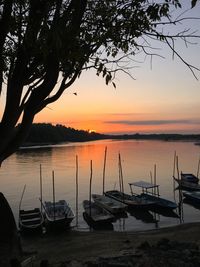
138,157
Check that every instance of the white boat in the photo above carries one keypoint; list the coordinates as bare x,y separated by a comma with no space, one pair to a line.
96,215
110,204
150,192
31,220
58,213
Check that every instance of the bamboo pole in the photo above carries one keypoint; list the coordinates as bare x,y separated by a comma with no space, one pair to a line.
155,181
104,169
41,187
174,167
20,203
151,176
120,182
177,167
54,207
90,191
77,190
121,174
198,168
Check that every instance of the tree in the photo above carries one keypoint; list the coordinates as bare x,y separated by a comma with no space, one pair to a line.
45,45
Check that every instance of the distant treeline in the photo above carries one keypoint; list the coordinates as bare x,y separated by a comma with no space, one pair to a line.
46,133
164,137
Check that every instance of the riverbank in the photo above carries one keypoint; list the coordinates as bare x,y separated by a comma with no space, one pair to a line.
75,248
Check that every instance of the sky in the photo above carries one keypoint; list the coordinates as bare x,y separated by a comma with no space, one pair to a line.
164,97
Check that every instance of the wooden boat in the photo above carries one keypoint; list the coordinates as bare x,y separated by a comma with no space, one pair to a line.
96,215
193,196
110,204
187,181
132,201
58,213
187,185
153,195
30,220
189,177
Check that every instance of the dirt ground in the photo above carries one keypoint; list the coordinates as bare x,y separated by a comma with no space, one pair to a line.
78,246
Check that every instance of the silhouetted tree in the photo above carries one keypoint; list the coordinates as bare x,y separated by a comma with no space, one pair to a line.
45,45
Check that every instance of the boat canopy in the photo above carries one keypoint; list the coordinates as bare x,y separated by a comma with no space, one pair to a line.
144,184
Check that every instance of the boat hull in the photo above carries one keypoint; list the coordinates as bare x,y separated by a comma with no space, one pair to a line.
110,204
96,215
159,202
187,185
131,201
31,220
58,214
193,196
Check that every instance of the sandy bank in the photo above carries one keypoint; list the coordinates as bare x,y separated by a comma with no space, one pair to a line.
83,246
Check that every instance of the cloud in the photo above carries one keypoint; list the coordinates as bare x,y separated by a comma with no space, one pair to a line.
152,122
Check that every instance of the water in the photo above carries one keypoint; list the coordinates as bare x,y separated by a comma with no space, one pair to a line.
138,159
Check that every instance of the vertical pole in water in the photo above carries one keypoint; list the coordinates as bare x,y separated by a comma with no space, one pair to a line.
41,186
104,169
174,164
151,182
90,192
54,208
198,168
121,174
76,190
155,181
120,180
177,167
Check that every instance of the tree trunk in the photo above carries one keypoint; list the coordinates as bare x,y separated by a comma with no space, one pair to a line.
10,245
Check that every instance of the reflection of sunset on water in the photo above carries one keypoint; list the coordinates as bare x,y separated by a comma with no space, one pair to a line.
137,158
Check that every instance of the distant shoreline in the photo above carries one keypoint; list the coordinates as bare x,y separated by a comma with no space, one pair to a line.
153,137
44,134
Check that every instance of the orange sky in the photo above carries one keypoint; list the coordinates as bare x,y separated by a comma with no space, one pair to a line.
164,98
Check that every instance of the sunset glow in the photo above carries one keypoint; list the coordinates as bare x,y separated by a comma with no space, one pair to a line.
163,98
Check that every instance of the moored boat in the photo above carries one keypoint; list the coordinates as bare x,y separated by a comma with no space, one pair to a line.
96,215
31,220
187,185
193,196
189,177
58,213
153,195
131,200
110,204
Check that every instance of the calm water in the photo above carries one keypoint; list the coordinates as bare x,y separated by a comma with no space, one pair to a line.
138,159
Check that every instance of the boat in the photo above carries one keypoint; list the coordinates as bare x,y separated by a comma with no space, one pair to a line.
110,204
31,220
189,177
153,195
96,215
192,203
187,181
58,213
192,196
133,201
187,185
